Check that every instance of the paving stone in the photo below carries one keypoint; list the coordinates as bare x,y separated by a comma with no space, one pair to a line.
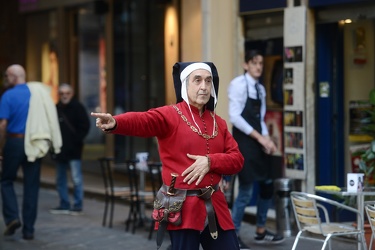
68,232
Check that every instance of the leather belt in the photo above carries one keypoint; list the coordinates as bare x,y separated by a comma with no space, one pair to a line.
194,192
205,194
14,135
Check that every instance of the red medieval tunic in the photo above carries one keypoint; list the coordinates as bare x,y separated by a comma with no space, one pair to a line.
176,139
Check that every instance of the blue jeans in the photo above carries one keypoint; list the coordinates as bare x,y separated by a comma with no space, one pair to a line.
245,192
62,183
14,157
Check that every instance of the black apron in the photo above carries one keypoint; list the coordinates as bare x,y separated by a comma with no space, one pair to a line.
257,162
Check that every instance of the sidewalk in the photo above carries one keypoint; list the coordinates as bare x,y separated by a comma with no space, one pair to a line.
62,232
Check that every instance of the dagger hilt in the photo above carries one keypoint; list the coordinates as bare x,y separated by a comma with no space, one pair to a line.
171,189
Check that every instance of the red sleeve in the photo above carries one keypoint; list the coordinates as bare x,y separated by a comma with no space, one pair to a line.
231,160
154,122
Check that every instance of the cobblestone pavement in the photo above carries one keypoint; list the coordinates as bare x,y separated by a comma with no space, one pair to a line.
77,232
63,232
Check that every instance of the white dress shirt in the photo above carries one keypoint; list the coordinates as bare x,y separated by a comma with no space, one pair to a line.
237,90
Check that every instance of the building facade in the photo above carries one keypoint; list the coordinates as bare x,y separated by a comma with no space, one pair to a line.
118,55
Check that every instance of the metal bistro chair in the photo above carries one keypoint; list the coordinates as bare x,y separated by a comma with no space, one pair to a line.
111,191
370,211
156,182
307,209
229,193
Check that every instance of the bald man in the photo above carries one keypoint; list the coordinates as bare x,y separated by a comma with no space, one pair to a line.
14,110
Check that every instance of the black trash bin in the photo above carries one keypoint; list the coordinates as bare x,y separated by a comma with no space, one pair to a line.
285,221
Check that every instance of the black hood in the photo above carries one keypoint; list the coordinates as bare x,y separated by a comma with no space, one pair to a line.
179,67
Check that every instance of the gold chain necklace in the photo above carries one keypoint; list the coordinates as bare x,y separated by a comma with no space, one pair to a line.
205,136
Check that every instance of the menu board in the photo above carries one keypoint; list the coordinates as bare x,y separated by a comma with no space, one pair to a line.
294,92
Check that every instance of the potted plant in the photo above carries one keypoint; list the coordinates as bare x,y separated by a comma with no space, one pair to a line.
367,157
367,164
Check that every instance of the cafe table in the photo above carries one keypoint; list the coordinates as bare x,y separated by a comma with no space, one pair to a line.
142,168
360,197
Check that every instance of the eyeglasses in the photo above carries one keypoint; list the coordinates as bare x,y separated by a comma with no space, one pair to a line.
65,93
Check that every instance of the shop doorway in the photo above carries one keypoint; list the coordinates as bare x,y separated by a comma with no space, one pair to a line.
329,105
345,77
138,31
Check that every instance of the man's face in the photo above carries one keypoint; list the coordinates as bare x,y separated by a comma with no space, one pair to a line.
254,67
66,95
9,78
199,87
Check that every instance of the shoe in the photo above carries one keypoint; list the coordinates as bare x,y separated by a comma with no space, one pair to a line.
59,210
268,238
12,227
243,246
75,211
28,236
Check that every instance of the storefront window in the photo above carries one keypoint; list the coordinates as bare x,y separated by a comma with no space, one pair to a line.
138,66
91,67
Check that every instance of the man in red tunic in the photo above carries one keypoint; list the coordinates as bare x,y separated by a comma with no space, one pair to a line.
196,144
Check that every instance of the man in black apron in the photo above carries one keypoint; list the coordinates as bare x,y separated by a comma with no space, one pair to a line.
247,108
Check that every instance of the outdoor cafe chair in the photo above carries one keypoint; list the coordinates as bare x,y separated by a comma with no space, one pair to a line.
111,192
229,193
156,182
308,209
370,211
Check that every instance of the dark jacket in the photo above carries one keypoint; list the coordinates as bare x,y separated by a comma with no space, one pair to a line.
74,125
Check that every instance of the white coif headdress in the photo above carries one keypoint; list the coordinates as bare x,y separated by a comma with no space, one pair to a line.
183,76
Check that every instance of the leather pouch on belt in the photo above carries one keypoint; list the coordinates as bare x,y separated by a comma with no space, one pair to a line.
167,207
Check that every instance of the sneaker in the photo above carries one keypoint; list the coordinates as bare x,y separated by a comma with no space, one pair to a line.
268,238
243,246
12,227
59,210
75,211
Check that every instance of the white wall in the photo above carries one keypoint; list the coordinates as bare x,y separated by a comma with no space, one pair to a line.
171,48
191,30
212,31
